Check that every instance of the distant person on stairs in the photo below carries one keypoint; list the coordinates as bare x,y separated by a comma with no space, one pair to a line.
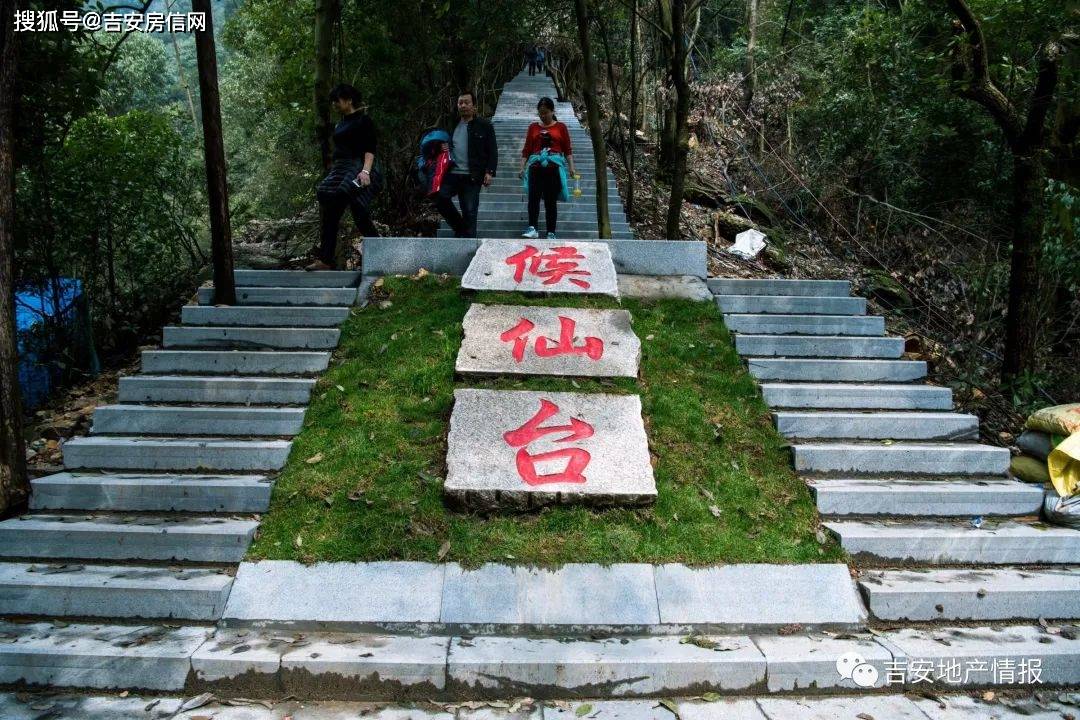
530,58
353,179
539,60
475,157
545,159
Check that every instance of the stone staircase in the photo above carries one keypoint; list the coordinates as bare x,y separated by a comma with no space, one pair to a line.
161,500
900,479
503,205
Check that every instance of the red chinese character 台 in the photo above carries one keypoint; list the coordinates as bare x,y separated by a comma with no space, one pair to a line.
519,335
577,459
551,266
593,347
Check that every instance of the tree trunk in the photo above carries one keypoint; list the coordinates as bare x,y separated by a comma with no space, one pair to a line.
217,187
682,117
327,16
665,43
183,79
592,111
635,69
14,485
1021,322
750,80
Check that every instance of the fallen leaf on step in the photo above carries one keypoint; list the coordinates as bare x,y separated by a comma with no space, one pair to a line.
317,457
583,710
196,702
670,706
865,716
988,695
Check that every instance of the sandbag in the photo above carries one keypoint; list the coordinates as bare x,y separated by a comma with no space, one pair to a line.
1037,444
1061,511
1030,469
1056,420
1064,466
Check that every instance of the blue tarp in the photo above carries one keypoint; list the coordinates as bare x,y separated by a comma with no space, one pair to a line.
33,306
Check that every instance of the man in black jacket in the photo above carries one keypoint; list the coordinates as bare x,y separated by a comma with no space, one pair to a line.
475,156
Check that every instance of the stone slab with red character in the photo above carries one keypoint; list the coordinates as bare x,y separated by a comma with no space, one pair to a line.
522,340
543,266
511,449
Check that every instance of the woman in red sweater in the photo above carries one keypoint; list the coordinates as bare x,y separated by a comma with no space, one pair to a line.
547,150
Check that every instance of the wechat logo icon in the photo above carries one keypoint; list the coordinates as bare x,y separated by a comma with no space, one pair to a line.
853,666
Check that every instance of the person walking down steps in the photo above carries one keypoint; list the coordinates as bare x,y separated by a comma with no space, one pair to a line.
545,159
353,178
475,157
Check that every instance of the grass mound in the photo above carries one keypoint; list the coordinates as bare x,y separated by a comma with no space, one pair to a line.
364,480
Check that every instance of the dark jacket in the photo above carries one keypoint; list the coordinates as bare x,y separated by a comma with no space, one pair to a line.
483,151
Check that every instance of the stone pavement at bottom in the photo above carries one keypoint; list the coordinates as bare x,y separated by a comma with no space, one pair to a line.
1038,706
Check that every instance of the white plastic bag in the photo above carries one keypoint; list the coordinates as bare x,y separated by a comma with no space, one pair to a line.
748,244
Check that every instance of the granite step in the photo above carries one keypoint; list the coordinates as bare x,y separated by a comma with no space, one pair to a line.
501,667
101,536
877,425
233,362
148,657
250,338
205,421
565,225
114,591
784,305
774,324
952,542
819,346
836,370
502,235
1022,705
857,396
903,458
297,278
286,296
106,452
903,497
264,316
779,286
151,493
518,212
988,594
215,390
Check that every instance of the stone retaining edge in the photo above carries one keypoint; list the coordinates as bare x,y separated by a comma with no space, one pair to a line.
406,256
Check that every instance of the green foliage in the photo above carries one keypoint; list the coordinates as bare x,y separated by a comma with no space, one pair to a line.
112,206
141,77
376,431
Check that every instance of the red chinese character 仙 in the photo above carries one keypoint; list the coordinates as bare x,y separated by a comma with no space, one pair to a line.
593,347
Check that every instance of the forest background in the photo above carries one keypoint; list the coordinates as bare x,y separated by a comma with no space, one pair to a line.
856,134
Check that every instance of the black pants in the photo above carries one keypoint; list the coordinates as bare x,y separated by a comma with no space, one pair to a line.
468,194
331,208
546,183
532,67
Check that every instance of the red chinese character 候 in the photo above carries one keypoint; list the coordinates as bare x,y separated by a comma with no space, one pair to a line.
552,266
545,347
577,459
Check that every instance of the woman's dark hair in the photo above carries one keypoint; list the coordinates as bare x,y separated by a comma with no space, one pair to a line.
345,92
546,102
